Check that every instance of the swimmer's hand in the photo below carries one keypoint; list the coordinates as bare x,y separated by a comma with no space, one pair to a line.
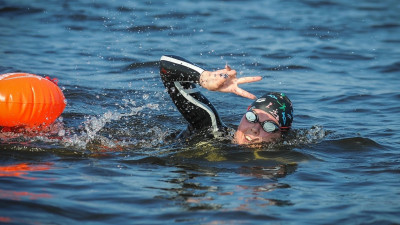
225,81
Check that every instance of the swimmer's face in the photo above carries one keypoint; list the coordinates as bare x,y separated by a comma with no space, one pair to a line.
253,133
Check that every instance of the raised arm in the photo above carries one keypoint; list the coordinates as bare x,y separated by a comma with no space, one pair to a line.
179,77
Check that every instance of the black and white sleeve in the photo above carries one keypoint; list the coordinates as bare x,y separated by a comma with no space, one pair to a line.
180,77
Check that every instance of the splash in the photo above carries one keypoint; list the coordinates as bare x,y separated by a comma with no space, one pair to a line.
50,134
92,137
130,127
306,136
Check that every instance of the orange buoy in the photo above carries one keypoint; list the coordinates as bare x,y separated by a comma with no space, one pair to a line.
28,100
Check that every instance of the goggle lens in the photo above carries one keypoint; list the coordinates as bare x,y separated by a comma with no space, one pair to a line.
268,126
251,117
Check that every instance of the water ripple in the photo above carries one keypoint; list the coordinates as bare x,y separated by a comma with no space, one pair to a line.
12,11
390,68
351,145
288,67
138,65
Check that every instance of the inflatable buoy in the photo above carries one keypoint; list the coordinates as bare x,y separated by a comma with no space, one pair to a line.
28,100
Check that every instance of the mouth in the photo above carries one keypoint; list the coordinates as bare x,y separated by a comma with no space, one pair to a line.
251,139
246,138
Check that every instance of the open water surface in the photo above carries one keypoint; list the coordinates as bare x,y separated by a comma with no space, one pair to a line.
111,158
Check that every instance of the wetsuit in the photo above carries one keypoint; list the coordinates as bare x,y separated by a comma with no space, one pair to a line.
180,77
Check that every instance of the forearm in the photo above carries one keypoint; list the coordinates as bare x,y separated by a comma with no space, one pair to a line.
175,68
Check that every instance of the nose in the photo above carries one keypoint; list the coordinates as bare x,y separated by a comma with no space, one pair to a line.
255,129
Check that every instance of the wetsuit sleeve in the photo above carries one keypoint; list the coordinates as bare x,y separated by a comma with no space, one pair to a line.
180,77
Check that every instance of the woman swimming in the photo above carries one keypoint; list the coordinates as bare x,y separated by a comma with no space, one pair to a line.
267,119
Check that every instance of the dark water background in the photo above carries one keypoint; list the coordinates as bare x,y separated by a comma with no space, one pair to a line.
110,159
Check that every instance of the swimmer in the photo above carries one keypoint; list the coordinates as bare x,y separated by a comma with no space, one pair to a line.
267,119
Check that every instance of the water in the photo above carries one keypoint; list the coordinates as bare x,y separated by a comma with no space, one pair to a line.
111,157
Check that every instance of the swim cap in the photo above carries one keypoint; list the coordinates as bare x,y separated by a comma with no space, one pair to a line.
276,104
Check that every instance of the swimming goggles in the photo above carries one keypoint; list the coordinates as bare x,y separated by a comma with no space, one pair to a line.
268,125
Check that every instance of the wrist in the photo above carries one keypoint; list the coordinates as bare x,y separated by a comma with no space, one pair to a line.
203,78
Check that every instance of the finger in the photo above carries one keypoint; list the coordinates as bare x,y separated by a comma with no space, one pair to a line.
227,67
244,93
244,80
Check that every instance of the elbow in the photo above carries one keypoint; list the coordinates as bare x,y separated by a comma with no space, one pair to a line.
163,70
